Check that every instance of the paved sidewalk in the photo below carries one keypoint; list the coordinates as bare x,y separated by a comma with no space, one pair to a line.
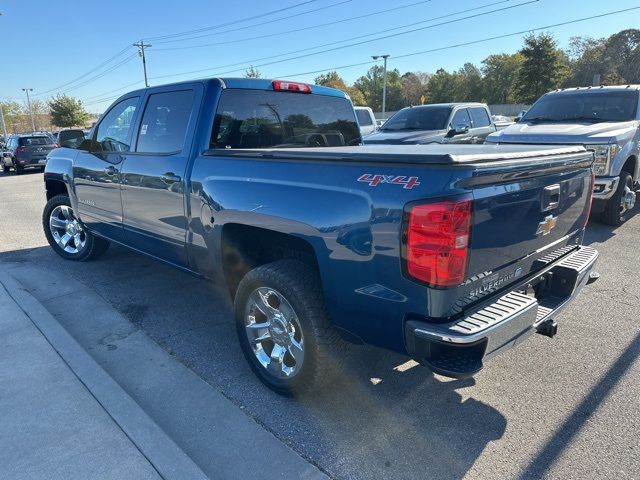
76,408
52,426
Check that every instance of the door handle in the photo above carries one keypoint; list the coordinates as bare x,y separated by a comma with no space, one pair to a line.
170,177
111,170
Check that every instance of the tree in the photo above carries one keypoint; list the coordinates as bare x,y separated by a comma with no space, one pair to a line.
439,86
370,85
500,74
14,114
333,80
623,49
467,84
414,90
586,60
252,72
544,67
67,112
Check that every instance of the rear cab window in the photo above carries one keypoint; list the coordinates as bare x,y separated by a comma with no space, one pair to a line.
32,141
364,118
480,117
164,123
270,119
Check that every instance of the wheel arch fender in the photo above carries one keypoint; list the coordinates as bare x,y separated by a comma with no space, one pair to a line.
58,174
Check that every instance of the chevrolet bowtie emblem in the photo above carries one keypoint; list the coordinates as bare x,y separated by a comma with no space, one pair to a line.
548,224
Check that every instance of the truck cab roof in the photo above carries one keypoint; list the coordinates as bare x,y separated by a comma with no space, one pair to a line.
246,83
587,90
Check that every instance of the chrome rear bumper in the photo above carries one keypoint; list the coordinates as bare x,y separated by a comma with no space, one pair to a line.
457,349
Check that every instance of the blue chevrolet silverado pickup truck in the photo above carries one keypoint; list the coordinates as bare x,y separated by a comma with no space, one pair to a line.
449,254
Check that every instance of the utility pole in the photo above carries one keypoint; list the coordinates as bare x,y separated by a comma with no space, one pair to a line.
384,83
141,46
33,123
4,125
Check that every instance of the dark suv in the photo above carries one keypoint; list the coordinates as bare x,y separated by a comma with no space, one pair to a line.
26,151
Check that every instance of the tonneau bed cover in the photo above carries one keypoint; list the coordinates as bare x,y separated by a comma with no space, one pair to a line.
446,154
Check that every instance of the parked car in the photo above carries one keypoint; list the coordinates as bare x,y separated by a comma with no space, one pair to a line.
366,120
27,151
436,123
411,248
501,121
603,119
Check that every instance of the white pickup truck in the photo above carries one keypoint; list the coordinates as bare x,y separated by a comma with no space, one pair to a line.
603,119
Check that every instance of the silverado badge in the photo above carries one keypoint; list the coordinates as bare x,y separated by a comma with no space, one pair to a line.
548,224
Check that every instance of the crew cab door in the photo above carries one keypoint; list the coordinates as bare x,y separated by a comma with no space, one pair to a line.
154,176
96,173
459,117
481,124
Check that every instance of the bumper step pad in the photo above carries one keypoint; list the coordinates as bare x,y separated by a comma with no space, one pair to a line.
457,349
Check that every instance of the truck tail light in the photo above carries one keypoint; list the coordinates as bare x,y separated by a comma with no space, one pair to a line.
20,150
437,241
283,86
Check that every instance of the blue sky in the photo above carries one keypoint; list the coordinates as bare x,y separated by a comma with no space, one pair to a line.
55,47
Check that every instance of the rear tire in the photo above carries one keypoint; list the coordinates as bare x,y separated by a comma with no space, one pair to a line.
615,213
297,350
66,235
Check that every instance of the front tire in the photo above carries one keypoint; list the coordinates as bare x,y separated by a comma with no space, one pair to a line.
66,235
284,330
615,211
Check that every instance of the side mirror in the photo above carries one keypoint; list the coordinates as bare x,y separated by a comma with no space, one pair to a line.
70,138
459,129
91,146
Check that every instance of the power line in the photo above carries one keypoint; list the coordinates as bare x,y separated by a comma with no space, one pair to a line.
252,62
472,42
253,25
303,29
100,75
106,62
111,91
233,22
422,52
59,88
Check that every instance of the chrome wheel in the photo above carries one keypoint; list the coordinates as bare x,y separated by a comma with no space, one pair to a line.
274,332
628,198
66,230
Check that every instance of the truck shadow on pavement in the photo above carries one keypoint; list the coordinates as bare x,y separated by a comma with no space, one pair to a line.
386,417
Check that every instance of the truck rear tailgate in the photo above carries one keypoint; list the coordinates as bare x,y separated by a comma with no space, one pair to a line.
523,210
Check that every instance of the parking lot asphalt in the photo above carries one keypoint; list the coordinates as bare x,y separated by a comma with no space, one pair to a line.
567,407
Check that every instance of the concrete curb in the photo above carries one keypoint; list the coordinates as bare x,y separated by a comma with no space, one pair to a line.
160,450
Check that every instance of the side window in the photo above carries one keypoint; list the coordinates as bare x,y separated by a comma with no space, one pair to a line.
114,130
480,117
364,119
164,123
461,117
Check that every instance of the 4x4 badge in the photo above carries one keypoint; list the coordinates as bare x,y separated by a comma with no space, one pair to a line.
548,224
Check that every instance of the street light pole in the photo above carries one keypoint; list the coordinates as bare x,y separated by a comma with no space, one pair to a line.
384,83
4,125
33,123
141,46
